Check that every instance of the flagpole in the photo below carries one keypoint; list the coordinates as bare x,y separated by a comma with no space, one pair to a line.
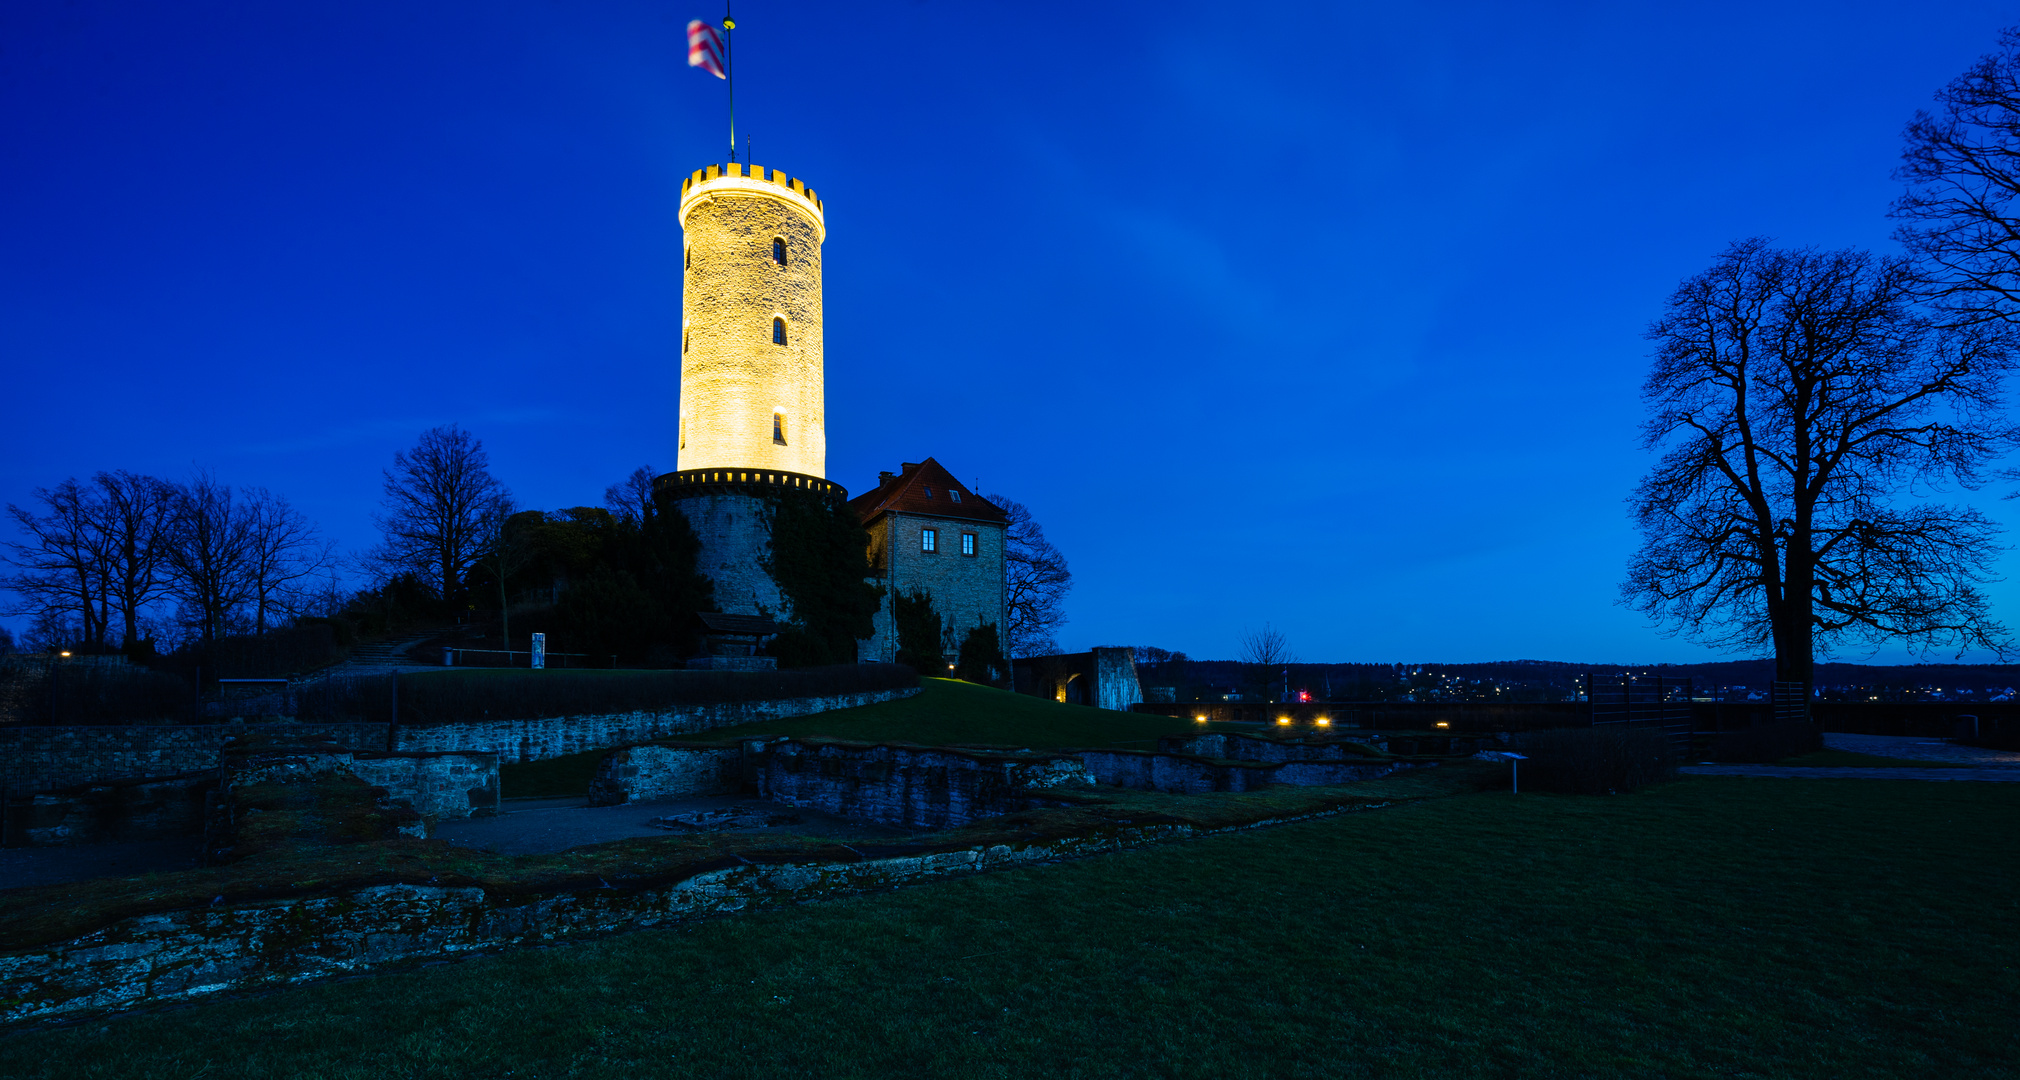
729,75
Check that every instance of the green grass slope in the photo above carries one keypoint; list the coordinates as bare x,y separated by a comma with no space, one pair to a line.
1705,928
948,711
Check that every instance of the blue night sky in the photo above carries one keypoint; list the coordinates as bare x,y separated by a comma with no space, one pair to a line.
1323,315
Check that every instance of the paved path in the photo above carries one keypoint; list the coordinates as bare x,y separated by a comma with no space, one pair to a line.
2011,776
1916,749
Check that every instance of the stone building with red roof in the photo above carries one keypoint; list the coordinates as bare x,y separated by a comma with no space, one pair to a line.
930,533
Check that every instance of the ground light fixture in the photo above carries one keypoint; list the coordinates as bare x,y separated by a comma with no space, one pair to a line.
1201,719
1323,722
1283,719
1444,723
64,653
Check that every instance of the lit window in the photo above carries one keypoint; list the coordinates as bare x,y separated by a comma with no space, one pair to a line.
779,428
967,543
778,331
929,540
954,495
778,251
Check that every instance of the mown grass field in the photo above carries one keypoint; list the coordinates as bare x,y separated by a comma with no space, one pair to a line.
944,712
1705,928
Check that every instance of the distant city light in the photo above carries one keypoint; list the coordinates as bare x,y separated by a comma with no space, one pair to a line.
1444,723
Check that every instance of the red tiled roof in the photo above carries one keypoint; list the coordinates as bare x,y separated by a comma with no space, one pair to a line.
926,488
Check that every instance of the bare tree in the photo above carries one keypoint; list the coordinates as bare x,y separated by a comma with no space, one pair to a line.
1265,654
1800,402
136,519
209,556
437,496
1035,585
1960,216
631,497
55,564
283,554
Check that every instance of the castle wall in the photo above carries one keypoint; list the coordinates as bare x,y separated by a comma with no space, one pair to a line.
733,375
735,540
968,590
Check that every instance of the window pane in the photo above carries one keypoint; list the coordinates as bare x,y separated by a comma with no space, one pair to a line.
926,539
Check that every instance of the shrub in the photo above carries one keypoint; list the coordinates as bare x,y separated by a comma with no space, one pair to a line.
1596,760
449,697
1765,743
919,627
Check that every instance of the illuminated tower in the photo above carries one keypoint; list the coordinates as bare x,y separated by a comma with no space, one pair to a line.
751,425
750,340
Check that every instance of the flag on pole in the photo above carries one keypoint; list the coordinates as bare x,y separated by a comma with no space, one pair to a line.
704,49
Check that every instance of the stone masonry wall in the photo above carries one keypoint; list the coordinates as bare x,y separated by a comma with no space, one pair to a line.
441,786
238,947
663,771
967,589
49,758
1183,774
910,787
734,540
538,740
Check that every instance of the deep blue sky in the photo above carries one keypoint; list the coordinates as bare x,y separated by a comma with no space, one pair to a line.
1323,315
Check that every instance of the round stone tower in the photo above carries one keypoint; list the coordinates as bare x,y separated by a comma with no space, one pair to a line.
750,335
751,423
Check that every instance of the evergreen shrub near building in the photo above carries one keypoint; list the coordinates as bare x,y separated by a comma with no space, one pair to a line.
817,558
1596,760
453,697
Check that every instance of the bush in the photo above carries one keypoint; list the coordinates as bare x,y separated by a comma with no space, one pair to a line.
1596,760
1765,743
450,697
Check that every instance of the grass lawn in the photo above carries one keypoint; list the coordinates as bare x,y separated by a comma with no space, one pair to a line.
943,712
1706,928
1846,759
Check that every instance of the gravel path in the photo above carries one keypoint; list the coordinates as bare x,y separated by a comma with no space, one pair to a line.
1923,750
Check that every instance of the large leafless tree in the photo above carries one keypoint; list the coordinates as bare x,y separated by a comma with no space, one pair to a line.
437,498
1036,581
1960,216
284,557
59,575
1804,409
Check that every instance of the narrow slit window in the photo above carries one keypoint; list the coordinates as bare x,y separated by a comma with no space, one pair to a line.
929,540
779,428
778,331
967,543
778,250
686,339
687,259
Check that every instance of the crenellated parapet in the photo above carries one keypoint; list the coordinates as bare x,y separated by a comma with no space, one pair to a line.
737,177
694,482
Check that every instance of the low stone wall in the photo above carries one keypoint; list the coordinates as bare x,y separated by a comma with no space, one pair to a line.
665,771
439,785
119,811
911,787
538,740
54,758
51,758
1184,774
188,954
1240,747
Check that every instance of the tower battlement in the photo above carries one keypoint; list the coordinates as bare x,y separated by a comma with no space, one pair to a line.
727,177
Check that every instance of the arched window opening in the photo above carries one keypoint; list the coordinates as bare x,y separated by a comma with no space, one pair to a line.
779,250
778,331
779,428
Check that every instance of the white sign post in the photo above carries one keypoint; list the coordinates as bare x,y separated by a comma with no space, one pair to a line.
539,651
